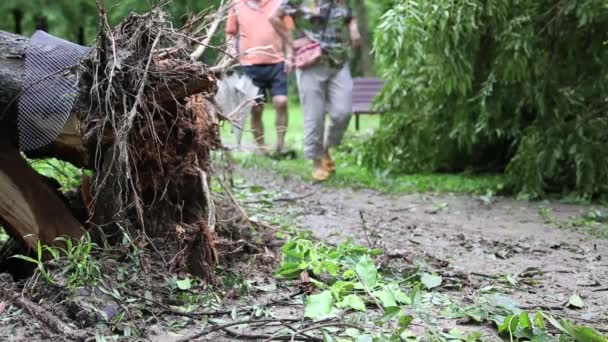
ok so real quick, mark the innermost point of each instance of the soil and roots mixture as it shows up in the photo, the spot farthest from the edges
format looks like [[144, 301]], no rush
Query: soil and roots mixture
[[474, 244]]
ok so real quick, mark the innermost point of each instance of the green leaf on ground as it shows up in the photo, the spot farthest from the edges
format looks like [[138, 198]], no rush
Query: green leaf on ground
[[505, 302], [184, 284], [576, 301], [554, 322], [431, 281], [524, 322], [385, 297], [354, 302], [340, 288], [509, 325], [389, 313], [289, 270], [366, 270], [319, 306], [586, 334], [404, 323], [539, 321]]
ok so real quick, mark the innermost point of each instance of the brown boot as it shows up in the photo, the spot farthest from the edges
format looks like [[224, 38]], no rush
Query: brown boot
[[329, 164], [320, 174]]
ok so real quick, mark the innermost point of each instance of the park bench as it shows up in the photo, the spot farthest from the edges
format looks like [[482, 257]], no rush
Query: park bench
[[365, 90]]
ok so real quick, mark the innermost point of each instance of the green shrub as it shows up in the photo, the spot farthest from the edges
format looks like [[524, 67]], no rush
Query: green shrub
[[515, 85]]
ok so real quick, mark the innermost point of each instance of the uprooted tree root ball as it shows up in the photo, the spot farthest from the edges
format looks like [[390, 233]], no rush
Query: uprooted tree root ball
[[150, 128], [144, 123]]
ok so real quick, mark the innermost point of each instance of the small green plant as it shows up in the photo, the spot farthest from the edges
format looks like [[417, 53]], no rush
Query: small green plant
[[593, 222], [39, 262], [546, 213], [80, 267]]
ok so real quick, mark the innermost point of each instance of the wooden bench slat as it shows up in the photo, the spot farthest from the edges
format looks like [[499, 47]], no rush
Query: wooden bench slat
[[365, 90]]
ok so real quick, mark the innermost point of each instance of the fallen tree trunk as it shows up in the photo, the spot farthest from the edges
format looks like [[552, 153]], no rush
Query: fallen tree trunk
[[12, 53], [144, 125], [28, 205]]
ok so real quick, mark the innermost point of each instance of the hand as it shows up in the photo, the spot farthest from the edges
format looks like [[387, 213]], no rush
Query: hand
[[356, 42]]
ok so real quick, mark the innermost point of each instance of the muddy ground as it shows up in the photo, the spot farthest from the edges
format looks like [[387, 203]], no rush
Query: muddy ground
[[528, 250], [484, 240]]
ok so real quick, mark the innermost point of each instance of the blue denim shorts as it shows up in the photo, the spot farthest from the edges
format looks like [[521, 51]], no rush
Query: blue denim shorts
[[268, 77]]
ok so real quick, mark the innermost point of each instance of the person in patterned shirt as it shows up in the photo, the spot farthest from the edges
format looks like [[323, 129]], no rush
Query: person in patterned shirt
[[325, 88]]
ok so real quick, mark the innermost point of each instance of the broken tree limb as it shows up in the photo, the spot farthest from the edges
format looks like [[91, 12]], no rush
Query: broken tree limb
[[43, 315]]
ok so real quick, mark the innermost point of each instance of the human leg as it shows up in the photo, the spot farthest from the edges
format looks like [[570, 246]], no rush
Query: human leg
[[340, 98], [260, 75], [280, 106], [257, 125], [280, 100], [312, 87], [340, 90]]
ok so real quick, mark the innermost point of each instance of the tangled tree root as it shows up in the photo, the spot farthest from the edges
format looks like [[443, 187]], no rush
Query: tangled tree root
[[145, 124]]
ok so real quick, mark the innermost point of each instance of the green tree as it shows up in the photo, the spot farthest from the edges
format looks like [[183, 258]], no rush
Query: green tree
[[78, 20], [515, 85]]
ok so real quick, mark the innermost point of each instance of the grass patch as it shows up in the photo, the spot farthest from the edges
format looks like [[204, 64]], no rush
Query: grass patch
[[350, 173], [295, 132]]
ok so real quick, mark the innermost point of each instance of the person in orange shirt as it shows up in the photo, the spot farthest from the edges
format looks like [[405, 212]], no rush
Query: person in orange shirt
[[264, 59]]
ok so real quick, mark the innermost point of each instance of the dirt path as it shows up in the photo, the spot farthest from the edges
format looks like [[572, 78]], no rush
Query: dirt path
[[485, 242]]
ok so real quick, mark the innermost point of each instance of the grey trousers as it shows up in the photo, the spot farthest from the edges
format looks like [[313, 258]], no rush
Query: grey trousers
[[324, 90]]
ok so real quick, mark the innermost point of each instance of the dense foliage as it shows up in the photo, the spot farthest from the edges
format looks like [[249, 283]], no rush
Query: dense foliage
[[64, 18], [515, 85]]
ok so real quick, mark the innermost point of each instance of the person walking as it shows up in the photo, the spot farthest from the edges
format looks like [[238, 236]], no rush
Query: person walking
[[326, 30], [261, 52]]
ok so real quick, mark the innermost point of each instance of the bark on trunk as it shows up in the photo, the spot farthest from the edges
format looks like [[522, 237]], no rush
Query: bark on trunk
[[12, 53]]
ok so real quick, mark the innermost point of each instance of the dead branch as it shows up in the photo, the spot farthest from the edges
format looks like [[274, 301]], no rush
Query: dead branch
[[217, 327], [43, 315]]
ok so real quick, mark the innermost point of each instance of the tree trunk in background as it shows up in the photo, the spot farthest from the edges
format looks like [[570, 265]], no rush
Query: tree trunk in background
[[366, 42], [80, 39], [18, 16], [42, 23]]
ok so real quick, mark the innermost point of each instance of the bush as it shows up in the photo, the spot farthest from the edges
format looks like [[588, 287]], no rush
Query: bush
[[500, 85]]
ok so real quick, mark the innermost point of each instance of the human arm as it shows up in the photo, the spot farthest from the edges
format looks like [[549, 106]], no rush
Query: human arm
[[278, 22], [231, 31], [353, 30]]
